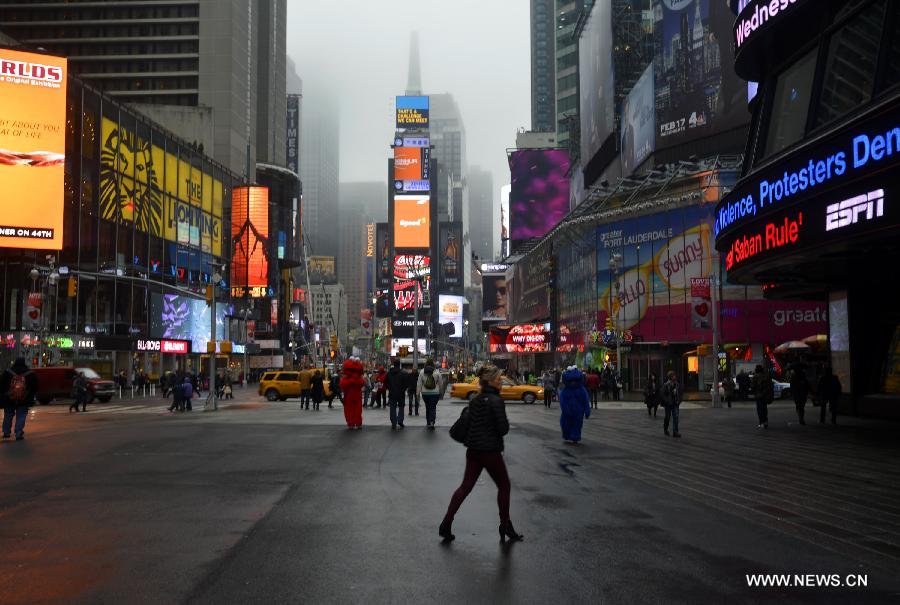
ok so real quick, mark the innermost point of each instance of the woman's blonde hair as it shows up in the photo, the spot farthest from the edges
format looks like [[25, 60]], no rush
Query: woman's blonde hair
[[488, 373]]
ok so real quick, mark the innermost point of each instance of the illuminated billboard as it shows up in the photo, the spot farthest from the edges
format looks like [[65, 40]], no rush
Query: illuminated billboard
[[527, 338], [450, 311], [407, 269], [162, 193], [495, 298], [598, 96], [177, 317], [412, 112], [412, 221], [695, 96], [382, 255], [539, 198], [450, 253], [250, 237], [321, 269], [32, 149], [409, 164], [639, 123]]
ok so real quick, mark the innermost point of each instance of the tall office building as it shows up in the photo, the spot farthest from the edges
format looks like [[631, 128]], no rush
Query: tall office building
[[362, 204], [568, 12], [481, 209], [201, 68], [320, 168], [543, 66]]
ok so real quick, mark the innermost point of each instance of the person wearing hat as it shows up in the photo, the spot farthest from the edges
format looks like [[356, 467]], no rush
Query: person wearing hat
[[18, 386]]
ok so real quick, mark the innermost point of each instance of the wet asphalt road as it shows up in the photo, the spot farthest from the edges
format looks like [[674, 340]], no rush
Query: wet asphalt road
[[264, 503]]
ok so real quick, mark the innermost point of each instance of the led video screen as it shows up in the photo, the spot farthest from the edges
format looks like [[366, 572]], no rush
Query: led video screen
[[539, 198], [412, 222]]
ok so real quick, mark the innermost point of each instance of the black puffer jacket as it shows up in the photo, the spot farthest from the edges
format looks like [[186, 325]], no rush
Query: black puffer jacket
[[487, 422], [396, 383]]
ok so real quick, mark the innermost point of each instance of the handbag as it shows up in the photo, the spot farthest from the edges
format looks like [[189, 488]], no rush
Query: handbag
[[460, 429]]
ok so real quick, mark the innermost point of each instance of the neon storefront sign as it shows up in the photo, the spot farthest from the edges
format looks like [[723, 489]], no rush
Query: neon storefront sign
[[846, 213], [772, 236], [172, 347], [756, 16]]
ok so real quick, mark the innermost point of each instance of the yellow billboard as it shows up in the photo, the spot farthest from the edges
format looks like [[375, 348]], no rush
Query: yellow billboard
[[32, 149], [161, 193]]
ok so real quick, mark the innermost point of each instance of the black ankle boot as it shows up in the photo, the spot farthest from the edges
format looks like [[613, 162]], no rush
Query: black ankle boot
[[444, 531], [507, 531]]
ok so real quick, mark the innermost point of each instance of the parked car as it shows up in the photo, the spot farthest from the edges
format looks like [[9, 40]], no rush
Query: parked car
[[510, 391], [279, 386], [56, 383]]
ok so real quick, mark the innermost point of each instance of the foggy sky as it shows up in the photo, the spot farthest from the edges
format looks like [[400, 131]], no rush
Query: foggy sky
[[477, 50]]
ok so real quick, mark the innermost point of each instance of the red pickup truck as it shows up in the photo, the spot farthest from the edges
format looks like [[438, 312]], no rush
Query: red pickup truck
[[56, 383]]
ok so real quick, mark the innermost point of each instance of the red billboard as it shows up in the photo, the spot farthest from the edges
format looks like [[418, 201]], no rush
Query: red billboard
[[250, 238], [407, 268], [526, 338]]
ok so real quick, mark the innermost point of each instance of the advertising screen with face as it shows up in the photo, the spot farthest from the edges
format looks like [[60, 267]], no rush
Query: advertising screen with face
[[539, 198], [495, 302], [412, 222], [450, 311], [32, 149]]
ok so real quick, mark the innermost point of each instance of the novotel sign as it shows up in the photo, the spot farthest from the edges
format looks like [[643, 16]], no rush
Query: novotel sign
[[857, 151], [172, 347]]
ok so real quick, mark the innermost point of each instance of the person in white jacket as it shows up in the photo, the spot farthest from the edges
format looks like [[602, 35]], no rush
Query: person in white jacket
[[429, 388]]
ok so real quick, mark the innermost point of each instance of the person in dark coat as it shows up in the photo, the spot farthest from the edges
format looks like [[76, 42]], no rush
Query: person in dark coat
[[79, 392], [177, 395], [828, 390], [800, 392], [763, 391], [728, 389], [671, 400], [484, 450], [318, 389], [412, 380], [335, 384], [18, 387], [651, 396], [574, 405], [396, 386]]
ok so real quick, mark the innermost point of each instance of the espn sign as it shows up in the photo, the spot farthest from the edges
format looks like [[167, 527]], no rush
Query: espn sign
[[846, 213]]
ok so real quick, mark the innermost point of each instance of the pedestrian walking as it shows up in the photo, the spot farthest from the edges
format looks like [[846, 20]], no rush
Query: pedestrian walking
[[79, 393], [592, 384], [574, 405], [728, 388], [671, 399], [549, 384], [334, 384], [177, 396], [412, 380], [800, 391], [380, 387], [606, 383], [187, 394], [764, 392], [743, 384], [828, 391], [317, 389], [352, 384], [651, 395], [18, 386], [487, 425], [367, 388], [617, 385], [305, 387], [396, 393], [428, 386]]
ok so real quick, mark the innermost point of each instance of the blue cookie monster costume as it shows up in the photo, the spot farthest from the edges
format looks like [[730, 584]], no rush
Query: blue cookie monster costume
[[574, 404]]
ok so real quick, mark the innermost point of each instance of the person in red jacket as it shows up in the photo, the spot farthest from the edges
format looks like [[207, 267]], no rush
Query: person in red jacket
[[379, 392], [351, 384], [592, 382]]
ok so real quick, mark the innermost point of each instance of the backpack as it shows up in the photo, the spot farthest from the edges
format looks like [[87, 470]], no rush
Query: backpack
[[430, 384], [18, 389]]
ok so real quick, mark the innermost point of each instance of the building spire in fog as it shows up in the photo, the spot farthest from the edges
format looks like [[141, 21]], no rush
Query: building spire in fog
[[414, 82]]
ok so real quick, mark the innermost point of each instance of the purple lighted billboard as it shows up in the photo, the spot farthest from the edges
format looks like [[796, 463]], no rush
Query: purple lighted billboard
[[539, 198]]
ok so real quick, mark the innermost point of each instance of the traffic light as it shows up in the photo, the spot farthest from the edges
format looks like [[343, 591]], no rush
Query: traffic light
[[210, 291], [73, 287], [333, 353]]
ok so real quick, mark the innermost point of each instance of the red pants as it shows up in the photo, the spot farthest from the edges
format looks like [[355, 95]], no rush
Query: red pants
[[496, 468], [353, 408]]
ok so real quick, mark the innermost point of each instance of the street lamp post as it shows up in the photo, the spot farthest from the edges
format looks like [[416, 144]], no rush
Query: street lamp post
[[212, 402], [466, 343], [247, 312], [615, 266], [52, 280]]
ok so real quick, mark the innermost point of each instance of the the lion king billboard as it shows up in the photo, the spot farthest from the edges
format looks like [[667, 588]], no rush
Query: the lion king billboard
[[161, 193]]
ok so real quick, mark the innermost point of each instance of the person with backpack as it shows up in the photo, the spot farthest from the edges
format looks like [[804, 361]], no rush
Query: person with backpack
[[429, 388], [764, 391], [574, 405], [671, 399], [487, 425], [18, 386], [79, 393]]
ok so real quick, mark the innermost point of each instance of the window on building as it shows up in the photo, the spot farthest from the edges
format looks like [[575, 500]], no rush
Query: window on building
[[892, 74], [851, 65], [790, 105]]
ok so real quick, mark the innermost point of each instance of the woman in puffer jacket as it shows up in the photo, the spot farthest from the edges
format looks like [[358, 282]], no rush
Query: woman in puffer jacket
[[574, 404], [484, 450]]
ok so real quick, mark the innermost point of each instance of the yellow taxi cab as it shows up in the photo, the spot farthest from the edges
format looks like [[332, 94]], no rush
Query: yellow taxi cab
[[510, 391], [279, 385]]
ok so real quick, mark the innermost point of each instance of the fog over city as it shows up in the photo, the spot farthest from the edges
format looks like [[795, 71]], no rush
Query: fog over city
[[477, 50]]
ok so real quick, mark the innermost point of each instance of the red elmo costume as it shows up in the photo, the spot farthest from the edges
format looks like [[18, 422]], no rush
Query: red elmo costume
[[351, 384]]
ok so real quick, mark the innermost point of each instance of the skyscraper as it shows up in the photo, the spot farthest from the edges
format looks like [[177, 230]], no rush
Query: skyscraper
[[320, 168], [199, 68], [543, 66], [568, 12], [361, 205], [481, 210]]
